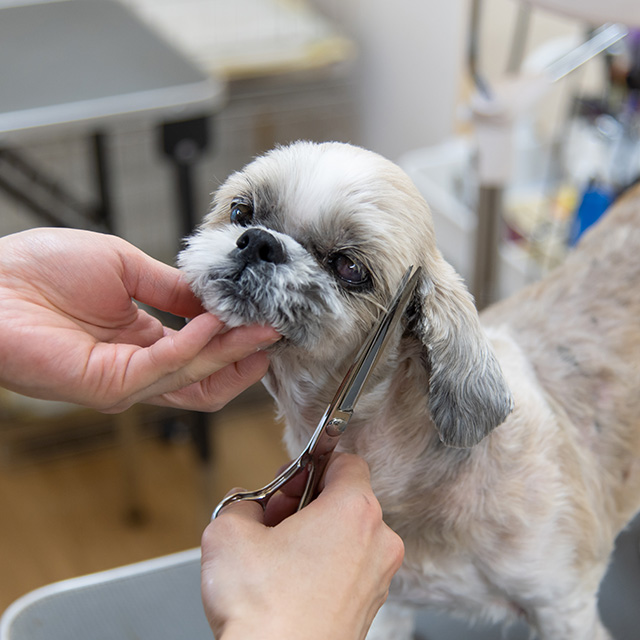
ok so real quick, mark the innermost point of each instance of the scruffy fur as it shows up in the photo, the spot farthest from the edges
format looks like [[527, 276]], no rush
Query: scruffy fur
[[505, 451]]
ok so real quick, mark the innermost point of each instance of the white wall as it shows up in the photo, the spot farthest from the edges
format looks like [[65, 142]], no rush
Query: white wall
[[407, 76], [411, 74]]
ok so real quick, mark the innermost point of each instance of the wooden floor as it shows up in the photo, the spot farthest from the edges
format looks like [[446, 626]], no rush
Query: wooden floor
[[68, 515]]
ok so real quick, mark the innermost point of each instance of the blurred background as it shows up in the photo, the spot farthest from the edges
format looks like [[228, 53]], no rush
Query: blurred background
[[125, 115]]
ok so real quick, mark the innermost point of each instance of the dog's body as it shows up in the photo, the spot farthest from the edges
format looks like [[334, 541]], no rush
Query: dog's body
[[518, 523]]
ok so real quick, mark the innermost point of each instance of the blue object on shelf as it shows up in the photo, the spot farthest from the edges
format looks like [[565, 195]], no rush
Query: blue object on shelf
[[595, 201]]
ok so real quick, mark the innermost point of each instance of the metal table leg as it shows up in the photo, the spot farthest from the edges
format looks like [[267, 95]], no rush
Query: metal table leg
[[183, 143]]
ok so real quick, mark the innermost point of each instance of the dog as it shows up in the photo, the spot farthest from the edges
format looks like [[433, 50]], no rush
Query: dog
[[504, 450]]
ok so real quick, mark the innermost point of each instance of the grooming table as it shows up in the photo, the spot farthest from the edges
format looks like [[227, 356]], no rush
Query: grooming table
[[81, 66], [159, 599]]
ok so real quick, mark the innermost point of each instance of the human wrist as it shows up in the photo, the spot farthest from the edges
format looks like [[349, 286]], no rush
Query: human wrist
[[250, 629], [286, 627]]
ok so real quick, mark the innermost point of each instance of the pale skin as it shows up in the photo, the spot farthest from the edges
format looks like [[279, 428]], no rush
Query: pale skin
[[72, 331], [320, 573]]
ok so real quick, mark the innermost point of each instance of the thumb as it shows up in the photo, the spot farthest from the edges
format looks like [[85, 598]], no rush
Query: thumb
[[233, 524], [243, 510]]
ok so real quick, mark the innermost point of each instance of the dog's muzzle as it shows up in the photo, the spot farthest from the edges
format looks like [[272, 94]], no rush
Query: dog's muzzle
[[257, 245], [254, 275]]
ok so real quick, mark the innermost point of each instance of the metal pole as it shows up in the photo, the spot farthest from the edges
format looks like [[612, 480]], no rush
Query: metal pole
[[487, 249]]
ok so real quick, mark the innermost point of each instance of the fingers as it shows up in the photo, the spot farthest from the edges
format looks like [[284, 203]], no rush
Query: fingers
[[279, 508], [295, 487], [240, 521], [226, 384], [347, 474], [205, 349], [242, 515], [213, 393], [285, 503], [164, 365], [175, 350], [157, 284], [346, 469], [247, 510], [196, 352], [347, 486]]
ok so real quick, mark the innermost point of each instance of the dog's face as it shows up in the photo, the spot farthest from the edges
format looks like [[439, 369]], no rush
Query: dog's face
[[313, 239], [302, 240]]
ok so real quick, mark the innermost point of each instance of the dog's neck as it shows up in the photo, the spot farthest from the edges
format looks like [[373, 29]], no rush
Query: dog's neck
[[393, 405], [302, 388], [391, 429]]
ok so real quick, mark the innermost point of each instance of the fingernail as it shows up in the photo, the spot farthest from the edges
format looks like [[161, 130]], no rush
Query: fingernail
[[265, 344]]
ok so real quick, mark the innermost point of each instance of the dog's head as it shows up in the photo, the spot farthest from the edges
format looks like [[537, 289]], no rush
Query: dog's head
[[313, 239]]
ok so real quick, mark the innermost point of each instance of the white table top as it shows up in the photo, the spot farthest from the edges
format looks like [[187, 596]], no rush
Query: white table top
[[249, 38], [81, 62]]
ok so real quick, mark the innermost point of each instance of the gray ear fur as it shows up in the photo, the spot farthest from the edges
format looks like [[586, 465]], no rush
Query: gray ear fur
[[468, 395]]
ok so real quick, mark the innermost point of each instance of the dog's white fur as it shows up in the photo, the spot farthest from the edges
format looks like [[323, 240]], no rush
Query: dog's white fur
[[497, 524]]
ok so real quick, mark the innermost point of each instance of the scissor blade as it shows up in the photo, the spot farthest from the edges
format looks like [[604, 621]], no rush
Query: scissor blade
[[370, 353], [323, 441]]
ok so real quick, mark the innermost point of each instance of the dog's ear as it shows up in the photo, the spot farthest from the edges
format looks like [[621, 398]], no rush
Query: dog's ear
[[468, 395]]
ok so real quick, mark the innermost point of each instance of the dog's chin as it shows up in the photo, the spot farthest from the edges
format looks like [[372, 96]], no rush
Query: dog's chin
[[251, 297], [297, 298]]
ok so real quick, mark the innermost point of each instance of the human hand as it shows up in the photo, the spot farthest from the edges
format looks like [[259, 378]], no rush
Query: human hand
[[320, 573], [72, 331]]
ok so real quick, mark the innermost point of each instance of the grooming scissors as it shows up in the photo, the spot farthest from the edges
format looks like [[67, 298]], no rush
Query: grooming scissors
[[333, 423]]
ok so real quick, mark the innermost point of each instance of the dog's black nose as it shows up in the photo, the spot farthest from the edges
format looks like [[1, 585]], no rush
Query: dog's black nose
[[258, 245]]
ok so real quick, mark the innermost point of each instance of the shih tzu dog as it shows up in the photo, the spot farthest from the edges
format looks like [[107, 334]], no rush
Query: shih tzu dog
[[505, 453]]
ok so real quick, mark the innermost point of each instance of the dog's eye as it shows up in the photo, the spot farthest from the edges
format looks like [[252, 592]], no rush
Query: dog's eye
[[349, 270], [241, 213]]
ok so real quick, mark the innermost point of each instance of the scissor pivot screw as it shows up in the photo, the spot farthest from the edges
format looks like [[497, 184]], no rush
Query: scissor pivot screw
[[337, 426]]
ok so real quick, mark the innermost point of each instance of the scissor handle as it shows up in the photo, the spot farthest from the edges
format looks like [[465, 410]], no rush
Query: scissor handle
[[314, 457], [261, 496]]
